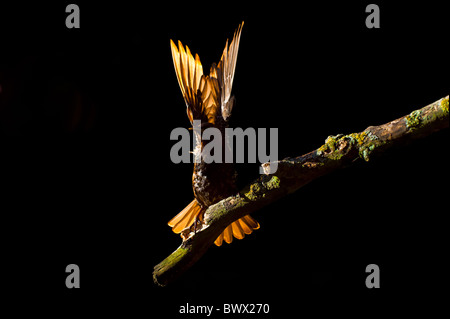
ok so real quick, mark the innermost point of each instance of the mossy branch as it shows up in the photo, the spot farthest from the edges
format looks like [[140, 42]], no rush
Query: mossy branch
[[293, 173]]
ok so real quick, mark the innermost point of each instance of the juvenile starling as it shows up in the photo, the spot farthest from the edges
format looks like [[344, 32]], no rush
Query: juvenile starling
[[208, 99]]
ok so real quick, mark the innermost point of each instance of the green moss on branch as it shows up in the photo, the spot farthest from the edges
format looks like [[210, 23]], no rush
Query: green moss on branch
[[293, 173]]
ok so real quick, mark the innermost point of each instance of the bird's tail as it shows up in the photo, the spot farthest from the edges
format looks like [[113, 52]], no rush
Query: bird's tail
[[239, 228], [186, 217], [193, 212]]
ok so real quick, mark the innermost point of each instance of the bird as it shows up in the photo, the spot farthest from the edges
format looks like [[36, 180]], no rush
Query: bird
[[208, 99]]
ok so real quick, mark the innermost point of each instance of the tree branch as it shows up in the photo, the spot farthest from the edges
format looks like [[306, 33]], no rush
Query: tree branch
[[293, 173]]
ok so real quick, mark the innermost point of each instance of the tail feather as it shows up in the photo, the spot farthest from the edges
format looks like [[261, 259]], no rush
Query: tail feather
[[219, 240], [228, 235], [250, 223], [185, 218], [238, 232], [238, 229], [245, 228]]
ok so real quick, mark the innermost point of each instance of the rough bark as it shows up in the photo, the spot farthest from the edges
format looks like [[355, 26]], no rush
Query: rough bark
[[293, 173]]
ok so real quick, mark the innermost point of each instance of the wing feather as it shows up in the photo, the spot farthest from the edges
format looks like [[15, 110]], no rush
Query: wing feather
[[205, 94], [176, 62], [197, 88], [227, 67]]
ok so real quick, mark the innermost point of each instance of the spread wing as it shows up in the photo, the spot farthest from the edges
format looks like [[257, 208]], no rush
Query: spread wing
[[204, 94], [199, 91], [224, 72]]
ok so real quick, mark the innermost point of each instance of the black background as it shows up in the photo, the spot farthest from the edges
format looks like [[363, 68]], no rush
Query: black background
[[86, 115]]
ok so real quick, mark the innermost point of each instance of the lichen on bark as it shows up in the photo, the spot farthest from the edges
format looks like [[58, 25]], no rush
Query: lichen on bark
[[293, 173]]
